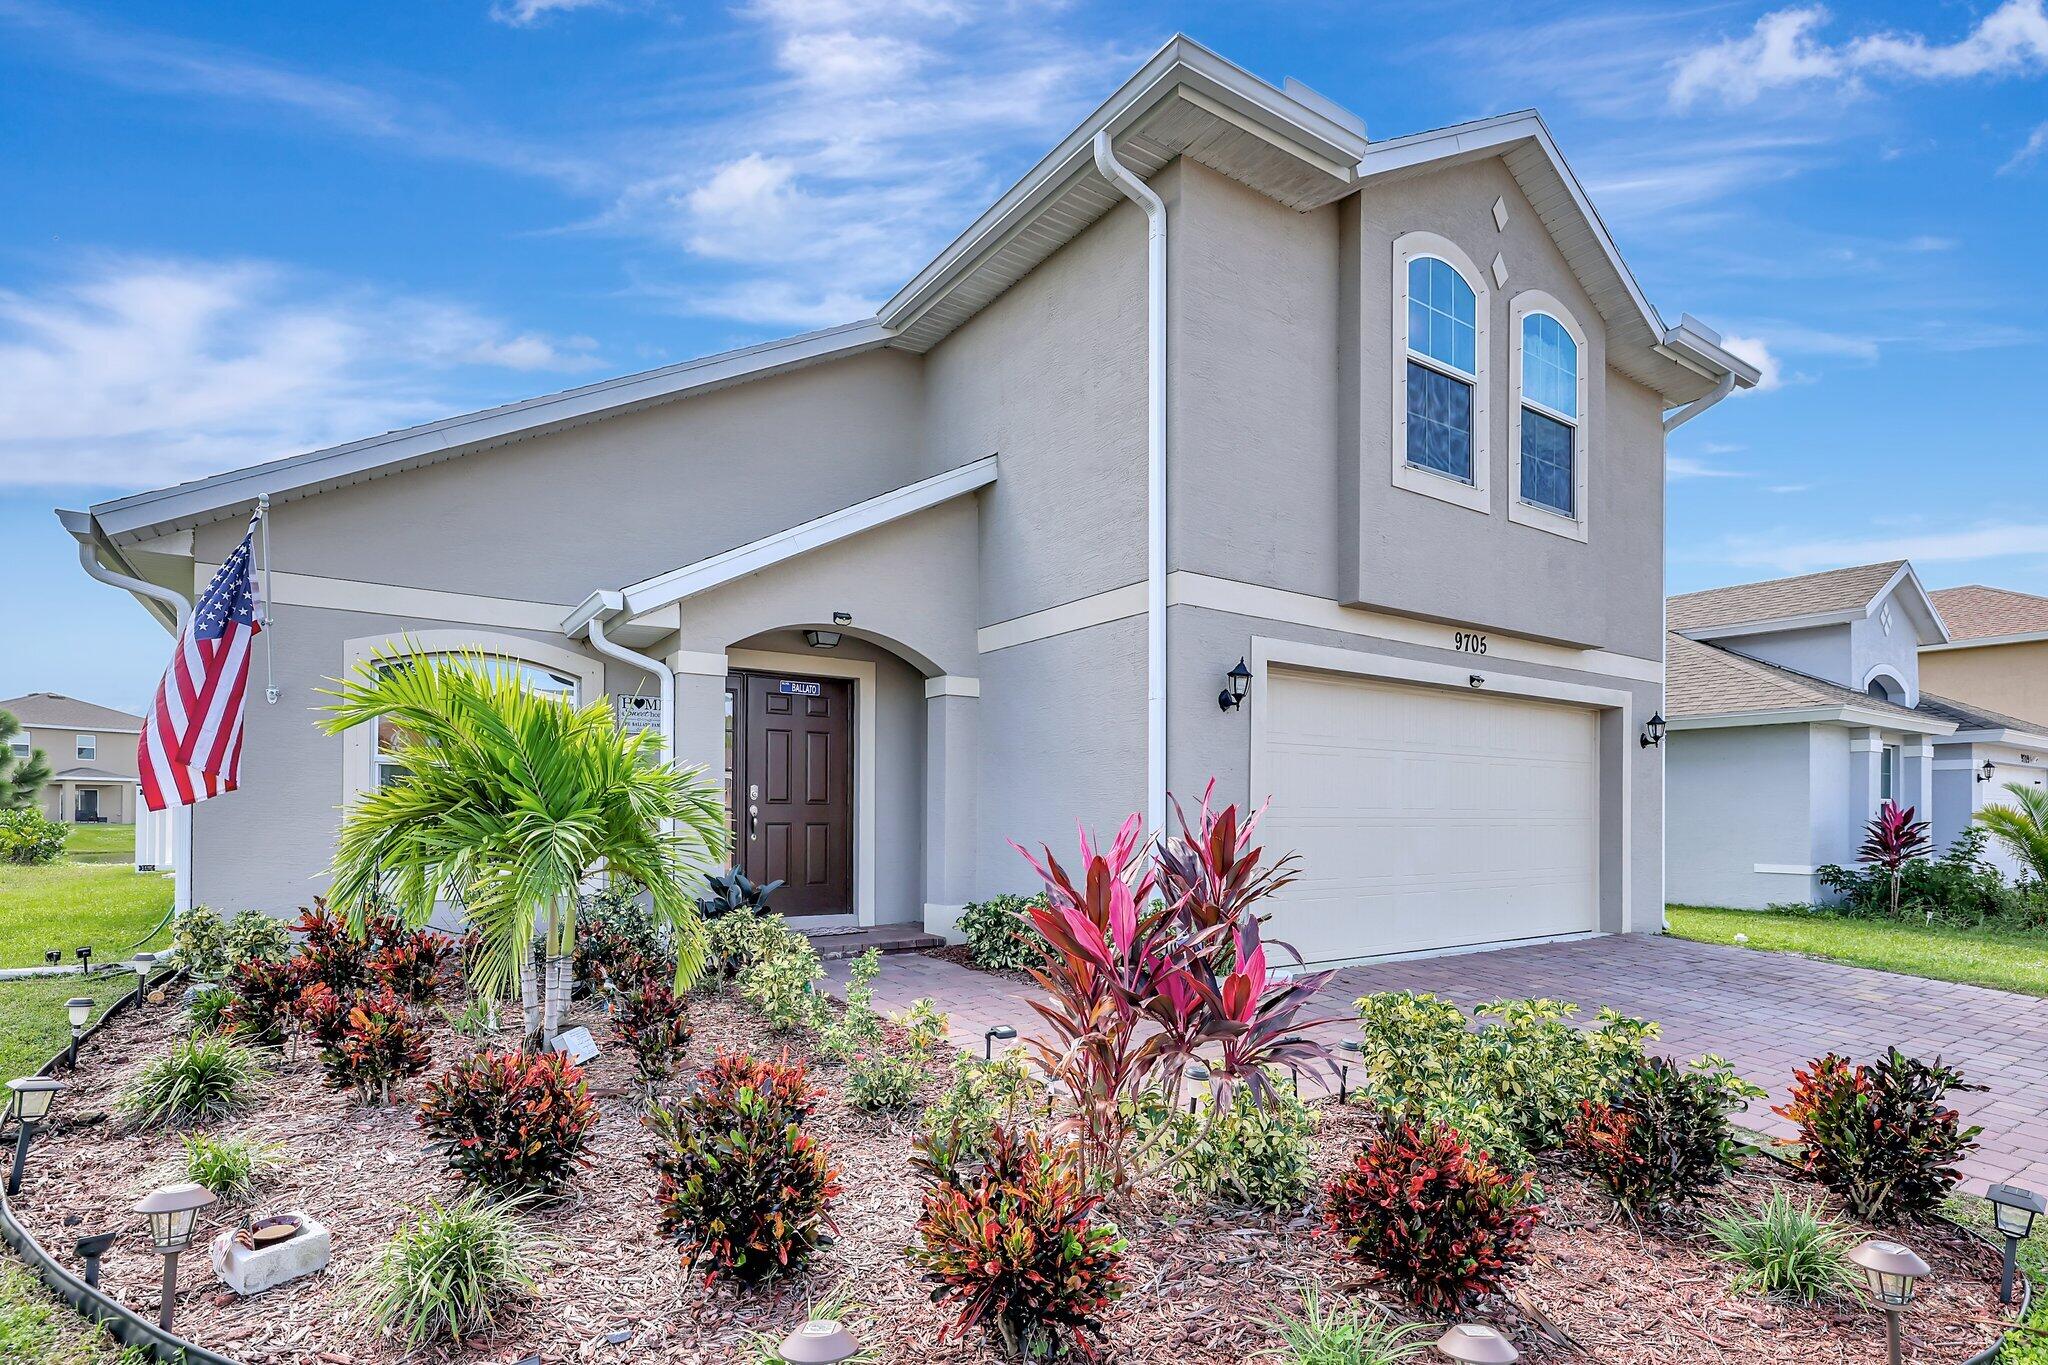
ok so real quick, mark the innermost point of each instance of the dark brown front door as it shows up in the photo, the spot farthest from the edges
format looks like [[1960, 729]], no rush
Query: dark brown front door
[[792, 788]]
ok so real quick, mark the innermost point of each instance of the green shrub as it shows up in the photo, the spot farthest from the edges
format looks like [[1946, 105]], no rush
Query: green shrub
[[741, 1187], [1000, 933], [1663, 1137], [957, 1124], [1342, 1335], [253, 934], [1437, 1216], [1248, 1154], [510, 1122], [1881, 1136], [446, 1274], [781, 981], [649, 1020], [923, 1025], [28, 836], [858, 1029], [613, 929], [1958, 888], [230, 1167], [210, 1008], [199, 940], [197, 1081], [1787, 1251], [735, 942], [881, 1082], [377, 1044], [731, 893]]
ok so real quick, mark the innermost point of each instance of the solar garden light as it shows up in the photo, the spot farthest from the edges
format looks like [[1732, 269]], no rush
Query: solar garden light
[[1355, 1048], [142, 963], [1199, 1074], [1892, 1270], [28, 1102], [84, 956], [1477, 1345], [92, 1248], [988, 1040], [173, 1213], [2013, 1211], [821, 1341], [79, 1007], [53, 957]]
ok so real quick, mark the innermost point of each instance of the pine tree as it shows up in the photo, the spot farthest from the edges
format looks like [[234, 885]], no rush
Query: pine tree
[[21, 779]]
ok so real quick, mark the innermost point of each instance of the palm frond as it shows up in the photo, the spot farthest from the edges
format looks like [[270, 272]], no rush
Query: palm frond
[[2022, 827]]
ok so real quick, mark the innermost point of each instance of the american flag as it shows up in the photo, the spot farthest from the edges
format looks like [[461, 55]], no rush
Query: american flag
[[192, 739]]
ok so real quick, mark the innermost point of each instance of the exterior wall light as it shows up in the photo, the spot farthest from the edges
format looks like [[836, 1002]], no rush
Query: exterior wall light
[[28, 1103], [822, 639], [173, 1214], [1653, 731], [1985, 773], [142, 964], [988, 1040], [79, 1008], [820, 1341], [2013, 1211], [1892, 1271], [1476, 1345], [1236, 683]]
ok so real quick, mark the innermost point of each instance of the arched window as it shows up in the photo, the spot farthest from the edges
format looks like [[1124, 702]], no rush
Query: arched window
[[1440, 350], [1549, 425]]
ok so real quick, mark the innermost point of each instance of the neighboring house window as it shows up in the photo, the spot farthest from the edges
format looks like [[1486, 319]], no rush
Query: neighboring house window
[[1440, 371], [1548, 425], [1888, 774], [20, 745], [544, 681], [87, 746]]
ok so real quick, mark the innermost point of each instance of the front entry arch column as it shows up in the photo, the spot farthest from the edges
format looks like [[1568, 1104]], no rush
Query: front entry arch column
[[952, 753]]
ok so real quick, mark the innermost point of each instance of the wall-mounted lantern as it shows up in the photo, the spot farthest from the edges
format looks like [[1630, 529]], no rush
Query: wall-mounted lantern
[[1653, 732], [1985, 773], [1236, 683]]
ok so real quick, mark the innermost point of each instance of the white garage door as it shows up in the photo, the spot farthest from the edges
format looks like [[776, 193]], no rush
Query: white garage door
[[1427, 818]]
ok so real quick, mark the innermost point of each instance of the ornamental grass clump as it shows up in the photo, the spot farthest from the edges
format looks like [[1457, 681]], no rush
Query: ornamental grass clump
[[1435, 1215], [229, 1167], [1663, 1138], [1786, 1251], [1020, 1250], [1342, 1335], [510, 1123], [378, 1043], [446, 1274], [1881, 1136], [741, 1187], [198, 1081]]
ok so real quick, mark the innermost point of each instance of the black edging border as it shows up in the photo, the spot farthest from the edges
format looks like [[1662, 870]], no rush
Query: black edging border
[[120, 1323]]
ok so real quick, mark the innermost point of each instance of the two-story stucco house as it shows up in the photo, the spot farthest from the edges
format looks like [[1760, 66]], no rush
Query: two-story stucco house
[[1796, 710], [91, 753], [1221, 379], [1996, 653]]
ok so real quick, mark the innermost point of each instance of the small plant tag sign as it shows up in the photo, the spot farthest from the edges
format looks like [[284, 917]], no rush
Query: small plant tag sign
[[578, 1043]]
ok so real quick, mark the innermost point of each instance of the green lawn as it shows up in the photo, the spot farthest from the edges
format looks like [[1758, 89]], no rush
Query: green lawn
[[100, 839], [36, 1327], [33, 1023], [2005, 959], [65, 904]]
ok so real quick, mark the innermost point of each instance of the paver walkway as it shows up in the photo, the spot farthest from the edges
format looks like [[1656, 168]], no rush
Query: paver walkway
[[1765, 1012]]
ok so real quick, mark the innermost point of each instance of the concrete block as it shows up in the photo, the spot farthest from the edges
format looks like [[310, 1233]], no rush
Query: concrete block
[[251, 1272]]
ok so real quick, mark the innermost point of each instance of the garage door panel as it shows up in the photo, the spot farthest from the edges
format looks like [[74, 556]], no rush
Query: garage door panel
[[1427, 818]]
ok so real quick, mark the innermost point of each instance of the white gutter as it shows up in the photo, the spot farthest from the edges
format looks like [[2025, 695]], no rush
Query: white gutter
[[1155, 476], [1722, 388], [603, 605], [85, 531]]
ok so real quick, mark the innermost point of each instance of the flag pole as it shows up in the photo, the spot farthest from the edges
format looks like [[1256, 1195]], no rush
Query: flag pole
[[269, 658]]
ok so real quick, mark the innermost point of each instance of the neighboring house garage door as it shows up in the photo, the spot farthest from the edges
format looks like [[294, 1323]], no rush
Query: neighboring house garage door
[[1427, 818]]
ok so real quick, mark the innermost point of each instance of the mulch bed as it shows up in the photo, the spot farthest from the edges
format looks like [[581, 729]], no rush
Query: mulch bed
[[1202, 1281], [961, 956]]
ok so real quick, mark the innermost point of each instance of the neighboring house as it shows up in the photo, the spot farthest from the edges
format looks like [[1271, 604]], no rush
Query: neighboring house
[[1996, 653], [976, 569], [1795, 710], [91, 752]]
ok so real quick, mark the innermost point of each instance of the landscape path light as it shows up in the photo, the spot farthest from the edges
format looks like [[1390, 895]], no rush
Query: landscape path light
[[1353, 1050], [28, 1102], [1892, 1270], [84, 956], [821, 1341], [988, 1040], [1476, 1345], [142, 963], [91, 1249], [1199, 1075], [2013, 1211], [173, 1214], [79, 1007]]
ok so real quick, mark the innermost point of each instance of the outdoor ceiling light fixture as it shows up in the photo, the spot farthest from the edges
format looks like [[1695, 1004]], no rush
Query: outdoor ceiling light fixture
[[1653, 731], [822, 639], [173, 1213], [1476, 1345], [79, 1007], [1984, 774], [821, 1341], [1892, 1270], [1236, 683], [988, 1040], [2013, 1211], [28, 1103]]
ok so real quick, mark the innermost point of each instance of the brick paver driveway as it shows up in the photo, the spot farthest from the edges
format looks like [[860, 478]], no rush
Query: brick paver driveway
[[1765, 1012]]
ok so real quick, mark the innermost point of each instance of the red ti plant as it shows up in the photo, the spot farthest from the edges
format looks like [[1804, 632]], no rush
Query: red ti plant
[[1140, 986], [1892, 840]]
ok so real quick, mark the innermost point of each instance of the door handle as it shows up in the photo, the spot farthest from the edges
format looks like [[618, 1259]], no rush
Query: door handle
[[753, 822]]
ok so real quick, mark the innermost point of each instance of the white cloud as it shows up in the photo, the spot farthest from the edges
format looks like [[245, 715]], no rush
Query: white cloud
[[1686, 467], [141, 372], [1758, 353], [842, 62], [2029, 151], [1784, 50], [526, 13], [1792, 555], [1782, 488]]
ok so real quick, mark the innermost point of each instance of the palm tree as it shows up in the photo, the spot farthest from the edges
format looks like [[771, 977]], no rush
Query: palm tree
[[21, 779], [2022, 827], [510, 801]]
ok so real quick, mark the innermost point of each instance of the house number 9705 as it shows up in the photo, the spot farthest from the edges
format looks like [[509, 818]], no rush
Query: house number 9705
[[1469, 641]]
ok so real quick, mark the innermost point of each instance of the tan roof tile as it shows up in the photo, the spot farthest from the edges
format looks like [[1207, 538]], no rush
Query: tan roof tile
[[1705, 680], [1980, 613], [67, 713], [1779, 598]]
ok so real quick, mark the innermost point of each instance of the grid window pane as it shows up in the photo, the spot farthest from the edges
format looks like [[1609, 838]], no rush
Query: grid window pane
[[1441, 313], [1439, 422], [1547, 478], [1550, 364]]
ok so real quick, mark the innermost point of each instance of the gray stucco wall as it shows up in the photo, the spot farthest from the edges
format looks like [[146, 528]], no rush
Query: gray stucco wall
[[1817, 651], [1735, 798]]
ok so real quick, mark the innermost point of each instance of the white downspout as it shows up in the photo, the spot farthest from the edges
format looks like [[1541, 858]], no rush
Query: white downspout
[[1155, 476], [1722, 388], [181, 608], [664, 681]]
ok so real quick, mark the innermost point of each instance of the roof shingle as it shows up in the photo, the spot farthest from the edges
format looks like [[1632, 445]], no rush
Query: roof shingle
[[1778, 599], [1976, 612], [1705, 680], [60, 712]]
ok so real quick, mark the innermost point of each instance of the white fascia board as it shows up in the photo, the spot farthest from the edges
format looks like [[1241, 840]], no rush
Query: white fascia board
[[1918, 601], [679, 584], [2018, 739], [1288, 122], [1731, 629], [2032, 637], [1812, 715], [204, 499]]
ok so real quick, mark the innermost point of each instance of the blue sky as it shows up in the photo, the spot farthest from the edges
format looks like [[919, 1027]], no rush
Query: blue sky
[[239, 230]]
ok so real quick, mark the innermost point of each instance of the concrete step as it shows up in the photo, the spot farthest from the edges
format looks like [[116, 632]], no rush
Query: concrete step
[[833, 944]]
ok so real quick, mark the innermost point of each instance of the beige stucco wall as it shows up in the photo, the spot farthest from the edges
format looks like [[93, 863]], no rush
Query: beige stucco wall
[[2008, 678]]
